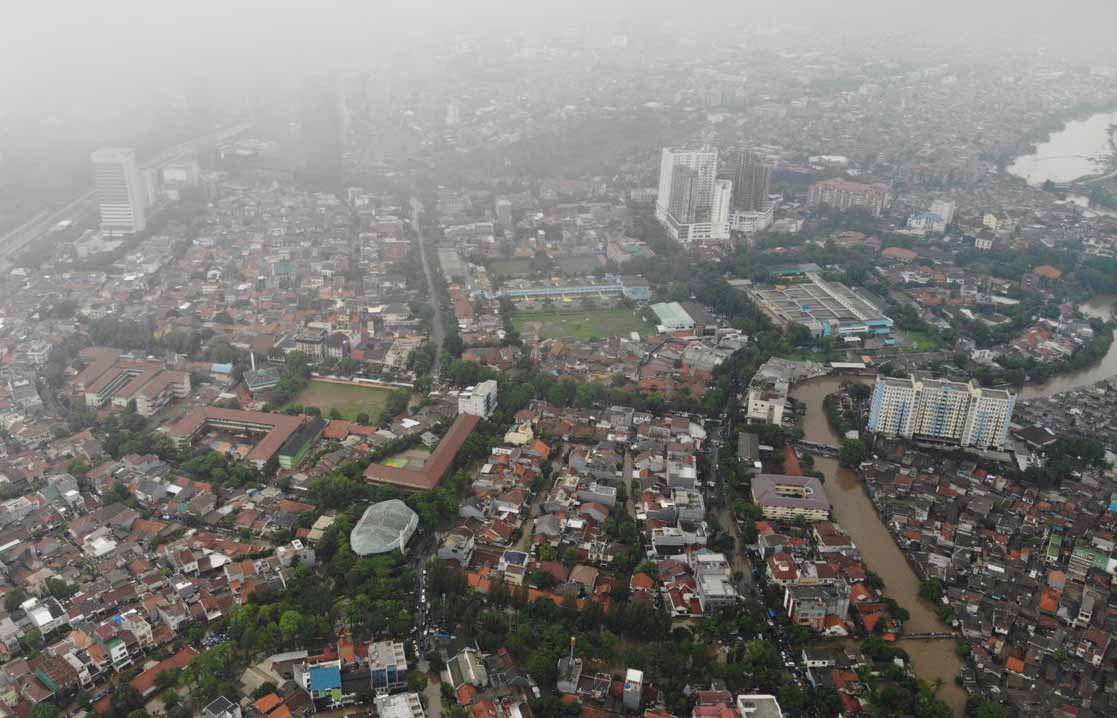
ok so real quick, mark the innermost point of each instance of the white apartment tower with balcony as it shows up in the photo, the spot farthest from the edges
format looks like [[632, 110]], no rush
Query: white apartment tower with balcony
[[691, 203], [893, 407], [987, 423], [938, 410]]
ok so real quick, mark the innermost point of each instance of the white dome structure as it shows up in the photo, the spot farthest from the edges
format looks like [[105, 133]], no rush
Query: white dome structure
[[384, 527]]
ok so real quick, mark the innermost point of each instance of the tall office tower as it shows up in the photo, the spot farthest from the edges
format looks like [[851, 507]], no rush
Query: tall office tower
[[323, 131], [704, 162], [719, 208], [752, 179], [149, 177], [938, 410], [121, 192]]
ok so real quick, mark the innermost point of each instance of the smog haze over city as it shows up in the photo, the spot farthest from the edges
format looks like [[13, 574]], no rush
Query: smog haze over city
[[542, 359]]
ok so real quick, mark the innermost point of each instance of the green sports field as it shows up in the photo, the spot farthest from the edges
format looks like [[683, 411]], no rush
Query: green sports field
[[348, 399], [583, 325]]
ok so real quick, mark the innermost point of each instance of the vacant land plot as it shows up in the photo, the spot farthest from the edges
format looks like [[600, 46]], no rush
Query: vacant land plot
[[583, 325], [348, 399], [511, 268], [922, 341]]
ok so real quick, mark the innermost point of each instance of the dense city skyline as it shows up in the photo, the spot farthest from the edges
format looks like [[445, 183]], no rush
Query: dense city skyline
[[584, 359]]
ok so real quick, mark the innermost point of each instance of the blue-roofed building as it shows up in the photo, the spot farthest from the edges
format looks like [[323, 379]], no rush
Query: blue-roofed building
[[924, 222], [323, 683], [826, 308], [325, 678]]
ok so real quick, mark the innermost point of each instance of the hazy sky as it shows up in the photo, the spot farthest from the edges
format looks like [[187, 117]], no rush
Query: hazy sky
[[54, 49]]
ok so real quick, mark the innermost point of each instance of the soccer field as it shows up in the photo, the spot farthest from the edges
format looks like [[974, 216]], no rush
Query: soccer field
[[583, 325], [348, 399]]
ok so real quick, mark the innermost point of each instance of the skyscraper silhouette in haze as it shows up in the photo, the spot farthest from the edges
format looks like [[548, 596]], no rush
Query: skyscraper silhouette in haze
[[752, 178], [322, 119]]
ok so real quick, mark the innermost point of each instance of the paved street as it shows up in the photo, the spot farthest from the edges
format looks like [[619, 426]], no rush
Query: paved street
[[438, 329]]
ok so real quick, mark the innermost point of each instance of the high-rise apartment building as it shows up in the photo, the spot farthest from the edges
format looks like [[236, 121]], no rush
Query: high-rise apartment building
[[752, 179], [121, 191], [720, 203], [987, 422], [842, 195], [945, 209], [940, 410], [686, 196], [893, 407]]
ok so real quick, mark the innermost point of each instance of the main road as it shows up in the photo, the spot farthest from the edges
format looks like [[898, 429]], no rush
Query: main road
[[438, 329], [21, 236]]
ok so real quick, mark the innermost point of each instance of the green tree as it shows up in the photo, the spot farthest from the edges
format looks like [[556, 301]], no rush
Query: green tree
[[852, 452], [13, 598], [291, 623], [930, 589], [416, 681], [33, 639], [125, 699]]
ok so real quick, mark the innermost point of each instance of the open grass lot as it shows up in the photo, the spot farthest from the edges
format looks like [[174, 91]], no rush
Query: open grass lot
[[922, 342], [347, 399], [583, 325], [511, 267]]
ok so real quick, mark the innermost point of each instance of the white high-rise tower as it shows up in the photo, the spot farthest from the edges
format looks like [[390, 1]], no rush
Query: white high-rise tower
[[719, 209], [689, 192], [121, 194]]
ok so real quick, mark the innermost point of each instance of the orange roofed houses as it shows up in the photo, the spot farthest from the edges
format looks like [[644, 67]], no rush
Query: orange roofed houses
[[110, 377], [144, 683], [900, 254], [437, 464]]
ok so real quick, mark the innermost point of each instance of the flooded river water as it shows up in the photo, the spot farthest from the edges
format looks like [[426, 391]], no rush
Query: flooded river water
[[1082, 147], [932, 660], [1100, 307]]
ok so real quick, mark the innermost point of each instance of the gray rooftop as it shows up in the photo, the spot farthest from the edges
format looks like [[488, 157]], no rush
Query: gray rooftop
[[382, 526], [805, 492]]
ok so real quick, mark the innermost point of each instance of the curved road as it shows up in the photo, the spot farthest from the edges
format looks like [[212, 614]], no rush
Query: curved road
[[438, 329]]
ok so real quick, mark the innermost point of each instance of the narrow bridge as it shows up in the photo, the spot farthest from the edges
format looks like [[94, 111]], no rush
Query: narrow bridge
[[928, 636], [818, 448]]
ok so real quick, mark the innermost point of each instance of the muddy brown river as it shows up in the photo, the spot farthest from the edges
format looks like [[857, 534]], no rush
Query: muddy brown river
[[933, 660]]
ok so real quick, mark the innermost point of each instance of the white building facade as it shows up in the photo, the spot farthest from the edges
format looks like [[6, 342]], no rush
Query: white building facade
[[691, 203], [937, 410], [121, 193], [479, 400]]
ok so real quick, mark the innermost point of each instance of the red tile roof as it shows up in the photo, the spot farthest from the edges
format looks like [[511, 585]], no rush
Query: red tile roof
[[279, 427], [436, 466], [144, 683]]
